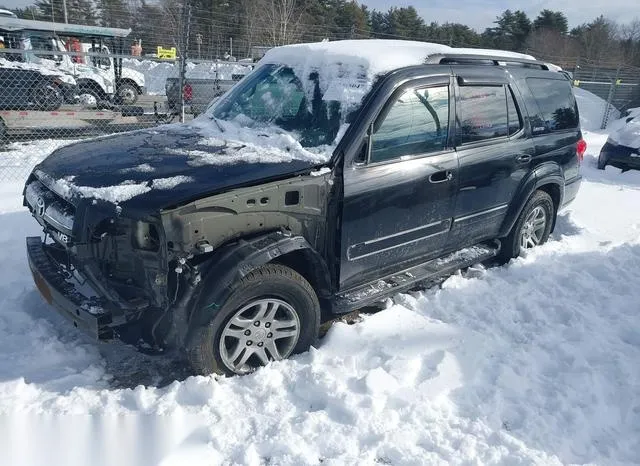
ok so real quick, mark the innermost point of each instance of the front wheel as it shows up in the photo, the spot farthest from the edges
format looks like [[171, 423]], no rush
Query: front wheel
[[272, 313], [532, 228]]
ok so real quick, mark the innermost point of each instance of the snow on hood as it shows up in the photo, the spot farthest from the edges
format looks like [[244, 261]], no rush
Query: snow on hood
[[44, 70], [249, 145], [115, 194], [629, 134]]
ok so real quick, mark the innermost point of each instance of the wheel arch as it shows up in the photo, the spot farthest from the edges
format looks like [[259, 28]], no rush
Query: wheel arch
[[547, 177], [225, 266]]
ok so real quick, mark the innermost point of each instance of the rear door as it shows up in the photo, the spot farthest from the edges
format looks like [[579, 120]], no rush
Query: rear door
[[398, 200], [494, 153]]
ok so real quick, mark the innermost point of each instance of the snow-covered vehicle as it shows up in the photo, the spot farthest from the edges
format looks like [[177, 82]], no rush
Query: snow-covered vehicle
[[332, 176], [27, 86], [622, 149], [42, 43]]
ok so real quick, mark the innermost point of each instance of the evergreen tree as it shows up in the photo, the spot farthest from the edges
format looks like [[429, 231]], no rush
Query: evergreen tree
[[552, 20]]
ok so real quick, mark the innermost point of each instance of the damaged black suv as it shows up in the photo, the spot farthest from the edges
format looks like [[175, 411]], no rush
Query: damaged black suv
[[326, 180]]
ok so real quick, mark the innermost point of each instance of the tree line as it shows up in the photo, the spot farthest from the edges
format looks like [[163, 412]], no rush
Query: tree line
[[219, 28]]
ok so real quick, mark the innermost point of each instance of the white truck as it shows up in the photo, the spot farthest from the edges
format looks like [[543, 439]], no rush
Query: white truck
[[98, 78]]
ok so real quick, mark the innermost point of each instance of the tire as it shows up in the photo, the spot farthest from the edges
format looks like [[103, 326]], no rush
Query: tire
[[127, 94], [89, 97], [602, 163], [209, 353], [47, 97], [512, 244]]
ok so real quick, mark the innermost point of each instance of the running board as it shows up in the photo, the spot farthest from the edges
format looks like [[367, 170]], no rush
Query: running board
[[429, 271]]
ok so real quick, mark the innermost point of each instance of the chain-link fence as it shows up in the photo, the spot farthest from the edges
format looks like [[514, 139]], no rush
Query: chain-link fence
[[617, 84], [60, 83]]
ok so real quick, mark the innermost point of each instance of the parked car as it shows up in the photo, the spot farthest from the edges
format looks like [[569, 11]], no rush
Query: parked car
[[328, 179], [622, 149], [24, 86], [198, 92]]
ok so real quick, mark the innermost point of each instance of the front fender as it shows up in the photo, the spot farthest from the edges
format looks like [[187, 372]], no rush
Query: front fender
[[544, 174], [229, 264]]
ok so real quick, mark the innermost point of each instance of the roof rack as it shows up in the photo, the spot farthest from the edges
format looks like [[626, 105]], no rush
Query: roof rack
[[495, 60]]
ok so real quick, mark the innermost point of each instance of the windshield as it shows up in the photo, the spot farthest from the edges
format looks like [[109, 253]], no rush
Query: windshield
[[273, 96]]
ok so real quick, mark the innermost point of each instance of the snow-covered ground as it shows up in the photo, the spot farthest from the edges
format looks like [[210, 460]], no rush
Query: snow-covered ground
[[536, 362]]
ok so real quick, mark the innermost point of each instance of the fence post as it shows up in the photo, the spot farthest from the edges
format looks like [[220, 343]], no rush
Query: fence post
[[612, 91], [184, 47]]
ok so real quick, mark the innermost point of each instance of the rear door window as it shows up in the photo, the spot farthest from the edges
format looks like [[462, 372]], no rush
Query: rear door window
[[483, 113], [557, 106]]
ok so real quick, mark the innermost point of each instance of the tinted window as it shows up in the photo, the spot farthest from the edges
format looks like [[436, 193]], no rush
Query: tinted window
[[556, 104], [417, 123], [515, 119], [483, 113]]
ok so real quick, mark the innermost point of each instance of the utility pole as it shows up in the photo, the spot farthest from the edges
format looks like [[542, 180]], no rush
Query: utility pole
[[64, 9], [184, 48], [231, 46]]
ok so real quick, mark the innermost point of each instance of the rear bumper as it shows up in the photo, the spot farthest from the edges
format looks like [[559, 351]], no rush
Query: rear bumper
[[571, 189], [619, 156], [63, 295]]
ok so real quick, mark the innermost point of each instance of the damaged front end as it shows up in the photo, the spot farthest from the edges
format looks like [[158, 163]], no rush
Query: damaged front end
[[99, 267]]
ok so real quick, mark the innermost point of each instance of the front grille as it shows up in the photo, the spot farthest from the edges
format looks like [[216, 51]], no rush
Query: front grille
[[52, 211]]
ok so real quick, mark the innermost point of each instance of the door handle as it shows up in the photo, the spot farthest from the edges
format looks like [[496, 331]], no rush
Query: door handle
[[441, 177], [524, 158]]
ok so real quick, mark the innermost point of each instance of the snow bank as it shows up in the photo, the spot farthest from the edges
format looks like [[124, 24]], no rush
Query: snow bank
[[592, 109], [156, 73]]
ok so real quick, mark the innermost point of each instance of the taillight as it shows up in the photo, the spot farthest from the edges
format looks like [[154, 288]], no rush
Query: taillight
[[188, 92], [581, 148]]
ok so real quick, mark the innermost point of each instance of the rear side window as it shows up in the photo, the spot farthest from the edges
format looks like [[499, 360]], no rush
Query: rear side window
[[417, 123], [557, 106], [483, 113]]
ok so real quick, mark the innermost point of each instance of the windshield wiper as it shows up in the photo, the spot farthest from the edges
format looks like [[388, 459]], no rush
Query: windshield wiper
[[215, 120]]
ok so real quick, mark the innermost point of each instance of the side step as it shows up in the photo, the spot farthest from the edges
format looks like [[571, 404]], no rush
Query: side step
[[380, 289]]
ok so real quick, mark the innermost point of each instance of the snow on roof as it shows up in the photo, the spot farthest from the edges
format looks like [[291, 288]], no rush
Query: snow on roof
[[347, 68], [628, 133]]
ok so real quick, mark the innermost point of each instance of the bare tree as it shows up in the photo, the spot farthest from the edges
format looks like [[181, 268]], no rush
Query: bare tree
[[282, 20]]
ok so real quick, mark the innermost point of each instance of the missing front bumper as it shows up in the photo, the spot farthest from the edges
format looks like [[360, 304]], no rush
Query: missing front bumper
[[63, 295]]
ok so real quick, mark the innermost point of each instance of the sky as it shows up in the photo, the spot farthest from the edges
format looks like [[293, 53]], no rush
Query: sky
[[480, 14]]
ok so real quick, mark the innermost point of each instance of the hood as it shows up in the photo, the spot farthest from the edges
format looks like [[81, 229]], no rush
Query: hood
[[151, 169], [135, 76]]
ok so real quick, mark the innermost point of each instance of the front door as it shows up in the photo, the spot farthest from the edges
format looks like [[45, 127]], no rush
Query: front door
[[398, 202]]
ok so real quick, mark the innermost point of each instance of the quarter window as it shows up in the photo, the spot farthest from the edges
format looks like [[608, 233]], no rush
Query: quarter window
[[417, 123], [483, 113], [515, 118], [558, 109]]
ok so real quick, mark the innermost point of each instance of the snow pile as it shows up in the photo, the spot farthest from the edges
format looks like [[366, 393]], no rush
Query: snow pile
[[115, 194], [592, 109], [17, 159], [156, 73]]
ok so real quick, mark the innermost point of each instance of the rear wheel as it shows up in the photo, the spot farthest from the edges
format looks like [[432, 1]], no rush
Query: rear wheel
[[47, 97], [602, 162], [532, 227], [127, 94], [272, 312]]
